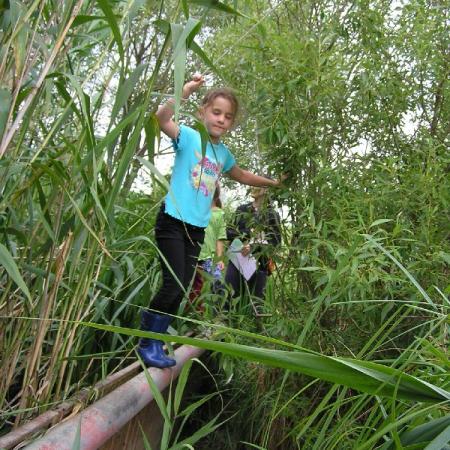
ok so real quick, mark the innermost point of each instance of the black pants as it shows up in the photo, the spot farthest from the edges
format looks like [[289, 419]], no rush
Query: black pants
[[179, 243], [256, 284]]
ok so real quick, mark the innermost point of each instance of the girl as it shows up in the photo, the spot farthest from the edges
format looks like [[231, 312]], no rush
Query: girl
[[184, 215]]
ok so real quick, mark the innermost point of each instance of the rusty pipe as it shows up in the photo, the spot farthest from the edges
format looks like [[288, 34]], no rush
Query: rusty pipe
[[107, 416]]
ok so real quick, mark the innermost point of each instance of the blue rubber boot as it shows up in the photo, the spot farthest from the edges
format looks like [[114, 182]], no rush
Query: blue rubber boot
[[151, 350]]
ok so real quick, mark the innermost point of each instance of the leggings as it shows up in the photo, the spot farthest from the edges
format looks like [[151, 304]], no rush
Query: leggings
[[179, 244]]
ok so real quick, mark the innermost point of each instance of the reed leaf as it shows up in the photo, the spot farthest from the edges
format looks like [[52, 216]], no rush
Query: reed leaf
[[361, 375], [110, 17], [7, 261]]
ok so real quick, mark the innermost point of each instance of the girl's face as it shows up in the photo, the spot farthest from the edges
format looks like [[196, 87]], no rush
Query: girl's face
[[218, 117]]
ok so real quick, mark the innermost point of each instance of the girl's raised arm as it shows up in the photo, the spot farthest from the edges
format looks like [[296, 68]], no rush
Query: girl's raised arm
[[165, 112], [251, 179]]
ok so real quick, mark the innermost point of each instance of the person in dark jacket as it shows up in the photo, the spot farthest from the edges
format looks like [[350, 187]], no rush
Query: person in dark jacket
[[257, 226]]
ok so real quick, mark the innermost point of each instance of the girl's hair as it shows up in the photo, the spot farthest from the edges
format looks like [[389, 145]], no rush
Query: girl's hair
[[216, 197], [224, 92]]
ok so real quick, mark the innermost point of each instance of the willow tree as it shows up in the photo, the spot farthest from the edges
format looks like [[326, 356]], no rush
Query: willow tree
[[350, 98]]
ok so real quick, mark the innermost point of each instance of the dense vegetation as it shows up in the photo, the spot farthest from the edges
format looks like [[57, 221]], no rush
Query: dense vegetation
[[350, 97]]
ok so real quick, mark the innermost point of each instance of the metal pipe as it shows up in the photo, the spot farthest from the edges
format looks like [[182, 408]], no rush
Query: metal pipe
[[104, 418], [56, 415]]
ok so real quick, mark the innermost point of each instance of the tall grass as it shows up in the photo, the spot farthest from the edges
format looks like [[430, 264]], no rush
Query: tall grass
[[80, 81]]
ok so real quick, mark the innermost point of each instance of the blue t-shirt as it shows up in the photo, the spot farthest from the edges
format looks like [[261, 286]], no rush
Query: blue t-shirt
[[193, 180]]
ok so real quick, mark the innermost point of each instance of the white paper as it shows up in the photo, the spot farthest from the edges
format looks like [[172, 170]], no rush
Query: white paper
[[245, 264]]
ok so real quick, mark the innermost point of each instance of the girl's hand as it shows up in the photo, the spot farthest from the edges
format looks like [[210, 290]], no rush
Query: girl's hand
[[282, 179], [221, 265], [193, 85]]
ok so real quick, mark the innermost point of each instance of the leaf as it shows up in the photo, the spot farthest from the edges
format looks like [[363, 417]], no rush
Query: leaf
[[214, 4], [443, 255], [364, 376], [425, 433], [82, 19], [440, 441], [180, 35], [5, 103], [379, 222], [125, 90], [152, 132], [145, 440], [185, 8], [157, 396], [77, 441], [310, 268], [181, 384], [203, 56], [204, 135], [403, 269], [110, 17], [7, 261], [161, 178]]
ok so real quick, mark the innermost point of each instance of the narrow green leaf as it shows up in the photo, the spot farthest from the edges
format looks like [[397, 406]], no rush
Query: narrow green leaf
[[82, 19], [440, 441], [204, 135], [180, 37], [422, 434], [125, 90], [214, 4], [403, 269], [7, 261], [203, 56], [152, 133], [147, 445], [182, 380], [161, 178], [364, 376], [179, 65], [77, 441], [185, 8], [379, 222], [157, 396], [445, 257], [5, 104], [111, 18]]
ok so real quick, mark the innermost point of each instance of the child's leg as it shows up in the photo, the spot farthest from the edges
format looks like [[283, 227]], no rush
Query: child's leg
[[258, 283], [234, 279], [169, 235], [192, 244]]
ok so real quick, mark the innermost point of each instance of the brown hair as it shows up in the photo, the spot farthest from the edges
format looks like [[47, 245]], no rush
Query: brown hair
[[224, 92], [216, 197]]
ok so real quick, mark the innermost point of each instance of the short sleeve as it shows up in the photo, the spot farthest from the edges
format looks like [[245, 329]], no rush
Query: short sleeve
[[185, 135], [229, 161]]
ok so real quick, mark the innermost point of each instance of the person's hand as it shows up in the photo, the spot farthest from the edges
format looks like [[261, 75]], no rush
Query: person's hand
[[245, 250], [193, 85], [282, 179], [221, 265]]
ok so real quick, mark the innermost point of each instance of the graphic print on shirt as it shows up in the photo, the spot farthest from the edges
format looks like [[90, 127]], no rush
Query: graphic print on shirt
[[204, 174]]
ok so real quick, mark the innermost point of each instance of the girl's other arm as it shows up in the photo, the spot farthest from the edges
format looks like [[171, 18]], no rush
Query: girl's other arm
[[165, 112], [245, 177]]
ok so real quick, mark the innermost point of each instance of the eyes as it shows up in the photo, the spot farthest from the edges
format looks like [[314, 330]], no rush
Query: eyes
[[218, 112]]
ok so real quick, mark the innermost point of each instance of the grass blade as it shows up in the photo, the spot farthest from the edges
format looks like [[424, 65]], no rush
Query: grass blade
[[7, 261]]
